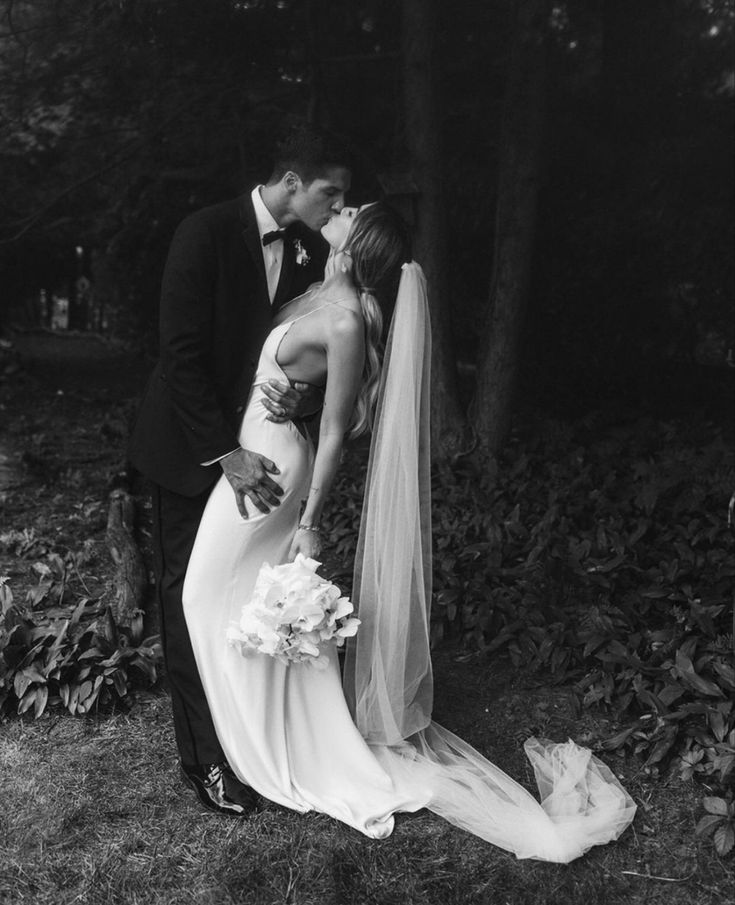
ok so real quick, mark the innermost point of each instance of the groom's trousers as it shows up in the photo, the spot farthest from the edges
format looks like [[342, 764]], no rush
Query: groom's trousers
[[175, 522]]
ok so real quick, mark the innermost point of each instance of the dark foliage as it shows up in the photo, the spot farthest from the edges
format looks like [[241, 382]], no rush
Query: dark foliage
[[79, 662], [598, 554]]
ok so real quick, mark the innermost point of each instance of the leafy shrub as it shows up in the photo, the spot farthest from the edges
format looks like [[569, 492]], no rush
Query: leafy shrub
[[76, 662], [56, 572], [608, 561], [719, 822]]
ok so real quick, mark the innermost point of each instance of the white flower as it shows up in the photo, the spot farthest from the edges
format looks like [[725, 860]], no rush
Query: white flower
[[302, 256], [348, 629], [292, 614]]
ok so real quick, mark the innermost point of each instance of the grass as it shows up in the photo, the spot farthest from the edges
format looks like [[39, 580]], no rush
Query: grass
[[92, 810], [94, 813]]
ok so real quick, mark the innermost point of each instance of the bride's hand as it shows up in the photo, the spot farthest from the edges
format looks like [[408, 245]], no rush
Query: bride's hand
[[307, 542]]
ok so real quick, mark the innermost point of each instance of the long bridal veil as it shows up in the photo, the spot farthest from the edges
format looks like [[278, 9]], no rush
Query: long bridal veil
[[388, 678]]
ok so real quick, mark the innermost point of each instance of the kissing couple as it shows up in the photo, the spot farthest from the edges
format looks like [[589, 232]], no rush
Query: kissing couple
[[272, 311]]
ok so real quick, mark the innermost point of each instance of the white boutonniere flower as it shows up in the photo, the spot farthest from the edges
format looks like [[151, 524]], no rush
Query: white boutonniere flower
[[302, 256]]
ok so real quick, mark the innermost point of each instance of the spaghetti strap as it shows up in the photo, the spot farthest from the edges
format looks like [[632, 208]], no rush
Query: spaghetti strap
[[313, 311], [289, 324], [301, 316]]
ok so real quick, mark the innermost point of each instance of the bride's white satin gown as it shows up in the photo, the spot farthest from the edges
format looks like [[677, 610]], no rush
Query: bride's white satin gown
[[287, 731]]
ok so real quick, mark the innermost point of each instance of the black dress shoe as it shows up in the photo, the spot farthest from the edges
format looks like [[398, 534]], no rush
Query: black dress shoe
[[220, 790]]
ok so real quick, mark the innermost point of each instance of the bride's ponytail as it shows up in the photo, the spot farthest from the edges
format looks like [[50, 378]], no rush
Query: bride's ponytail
[[362, 417], [378, 245]]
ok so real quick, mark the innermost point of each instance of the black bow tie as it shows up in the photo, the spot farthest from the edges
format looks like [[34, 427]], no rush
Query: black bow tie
[[273, 236]]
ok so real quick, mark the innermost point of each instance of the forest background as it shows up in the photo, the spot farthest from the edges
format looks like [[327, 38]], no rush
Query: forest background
[[567, 169]]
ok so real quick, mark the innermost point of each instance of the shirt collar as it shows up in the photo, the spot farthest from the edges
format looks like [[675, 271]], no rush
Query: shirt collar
[[263, 216]]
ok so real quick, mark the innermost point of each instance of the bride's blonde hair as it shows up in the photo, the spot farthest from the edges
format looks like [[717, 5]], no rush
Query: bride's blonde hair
[[379, 244]]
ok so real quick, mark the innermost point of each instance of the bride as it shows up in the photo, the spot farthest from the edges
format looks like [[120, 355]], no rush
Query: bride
[[366, 751]]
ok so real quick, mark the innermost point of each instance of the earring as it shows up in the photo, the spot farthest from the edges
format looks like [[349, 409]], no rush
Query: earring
[[346, 263]]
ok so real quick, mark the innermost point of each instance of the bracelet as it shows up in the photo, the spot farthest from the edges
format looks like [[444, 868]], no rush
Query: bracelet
[[309, 528]]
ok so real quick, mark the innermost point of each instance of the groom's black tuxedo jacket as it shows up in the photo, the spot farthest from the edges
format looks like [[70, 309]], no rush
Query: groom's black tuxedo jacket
[[215, 316]]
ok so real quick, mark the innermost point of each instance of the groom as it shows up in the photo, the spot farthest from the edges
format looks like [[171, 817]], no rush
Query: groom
[[229, 268]]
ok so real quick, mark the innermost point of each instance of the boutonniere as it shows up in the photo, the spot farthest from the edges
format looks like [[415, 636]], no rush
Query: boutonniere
[[302, 256]]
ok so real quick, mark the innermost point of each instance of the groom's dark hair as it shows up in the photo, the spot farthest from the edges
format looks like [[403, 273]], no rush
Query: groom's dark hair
[[309, 151]]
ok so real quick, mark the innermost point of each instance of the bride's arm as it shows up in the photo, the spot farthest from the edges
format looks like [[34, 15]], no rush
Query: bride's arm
[[345, 347]]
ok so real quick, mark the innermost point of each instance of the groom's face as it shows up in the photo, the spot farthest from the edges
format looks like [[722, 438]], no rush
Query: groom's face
[[315, 202]]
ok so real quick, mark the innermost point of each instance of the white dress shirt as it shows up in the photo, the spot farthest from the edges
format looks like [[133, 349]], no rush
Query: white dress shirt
[[273, 252]]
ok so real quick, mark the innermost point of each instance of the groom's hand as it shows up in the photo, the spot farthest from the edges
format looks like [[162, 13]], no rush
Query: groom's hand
[[287, 402], [248, 474]]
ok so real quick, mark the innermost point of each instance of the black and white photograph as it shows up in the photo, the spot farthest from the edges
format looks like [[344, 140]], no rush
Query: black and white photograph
[[367, 476]]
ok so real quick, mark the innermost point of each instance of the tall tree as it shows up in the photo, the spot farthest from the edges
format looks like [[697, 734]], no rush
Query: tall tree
[[516, 214], [423, 141]]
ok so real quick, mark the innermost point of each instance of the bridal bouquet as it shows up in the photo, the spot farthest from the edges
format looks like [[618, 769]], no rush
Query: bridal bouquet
[[292, 612]]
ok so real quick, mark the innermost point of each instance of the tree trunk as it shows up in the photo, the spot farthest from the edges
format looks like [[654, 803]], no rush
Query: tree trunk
[[423, 142], [518, 184], [131, 577]]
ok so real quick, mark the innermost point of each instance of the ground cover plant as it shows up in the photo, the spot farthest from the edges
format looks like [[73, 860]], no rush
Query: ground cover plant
[[545, 623], [600, 554]]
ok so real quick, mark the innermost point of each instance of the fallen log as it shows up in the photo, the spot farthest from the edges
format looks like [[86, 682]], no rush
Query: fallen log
[[130, 582]]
